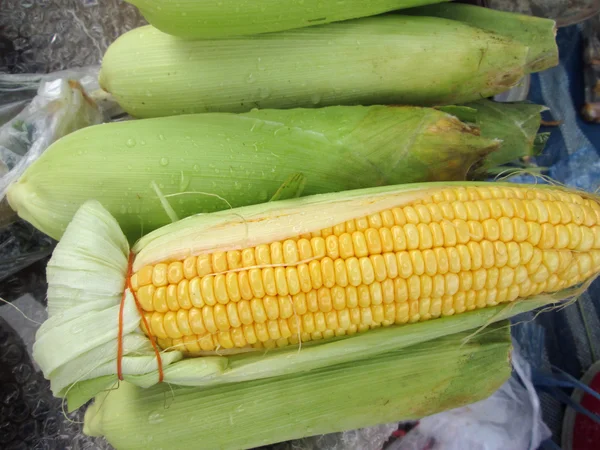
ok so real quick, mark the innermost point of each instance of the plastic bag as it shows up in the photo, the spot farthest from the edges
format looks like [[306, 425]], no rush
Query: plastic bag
[[61, 106], [509, 419]]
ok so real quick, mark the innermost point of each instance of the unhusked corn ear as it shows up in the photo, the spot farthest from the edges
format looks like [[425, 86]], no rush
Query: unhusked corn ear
[[207, 19], [209, 162], [453, 250], [315, 66]]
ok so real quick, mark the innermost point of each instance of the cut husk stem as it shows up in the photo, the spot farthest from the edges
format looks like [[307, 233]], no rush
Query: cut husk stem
[[406, 384], [209, 162], [78, 343], [207, 19], [376, 60]]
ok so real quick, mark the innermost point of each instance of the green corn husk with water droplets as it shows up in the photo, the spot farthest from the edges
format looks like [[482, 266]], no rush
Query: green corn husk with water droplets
[[148, 173], [390, 59], [210, 19], [406, 384]]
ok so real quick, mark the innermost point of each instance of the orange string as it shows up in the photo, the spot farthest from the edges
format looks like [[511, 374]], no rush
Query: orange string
[[120, 335]]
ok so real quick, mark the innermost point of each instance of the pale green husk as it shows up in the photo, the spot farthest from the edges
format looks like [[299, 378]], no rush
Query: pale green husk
[[209, 162], [86, 275], [536, 33], [391, 59], [208, 19], [405, 384]]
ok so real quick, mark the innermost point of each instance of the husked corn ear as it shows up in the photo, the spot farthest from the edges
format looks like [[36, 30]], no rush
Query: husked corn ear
[[453, 251]]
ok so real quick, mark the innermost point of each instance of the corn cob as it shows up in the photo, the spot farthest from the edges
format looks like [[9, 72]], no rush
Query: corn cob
[[206, 19], [407, 384], [447, 253], [204, 163], [378, 60], [320, 270]]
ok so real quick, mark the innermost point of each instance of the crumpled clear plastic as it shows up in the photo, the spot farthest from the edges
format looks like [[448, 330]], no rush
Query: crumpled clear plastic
[[60, 107], [511, 418]]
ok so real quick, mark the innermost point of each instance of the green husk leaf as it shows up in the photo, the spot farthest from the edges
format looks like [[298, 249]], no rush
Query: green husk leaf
[[390, 59], [403, 385], [539, 143], [516, 124], [228, 18], [210, 162], [534, 32], [291, 188]]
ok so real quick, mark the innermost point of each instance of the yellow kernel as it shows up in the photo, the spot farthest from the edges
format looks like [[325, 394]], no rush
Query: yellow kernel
[[495, 209], [325, 300], [144, 276], [172, 302], [404, 264], [575, 236], [472, 211], [426, 286], [209, 319], [400, 289], [312, 301], [475, 231], [411, 215], [159, 300], [159, 275], [435, 307], [220, 316], [491, 229], [386, 239], [378, 263], [479, 279], [207, 288], [514, 254], [262, 254], [219, 262], [476, 255], [399, 217], [145, 296], [441, 256], [587, 240], [183, 295], [577, 214], [332, 246], [196, 322], [437, 234], [425, 236], [351, 297], [346, 248], [447, 306], [484, 209], [319, 248], [439, 285], [500, 254], [414, 287], [487, 250], [493, 275], [452, 283], [234, 259], [464, 256], [466, 281], [262, 332], [430, 261], [156, 324], [183, 323], [449, 233], [360, 244], [447, 211], [412, 236], [453, 260], [463, 234]]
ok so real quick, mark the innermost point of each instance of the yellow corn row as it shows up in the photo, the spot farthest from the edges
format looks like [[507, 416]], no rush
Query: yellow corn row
[[453, 251]]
